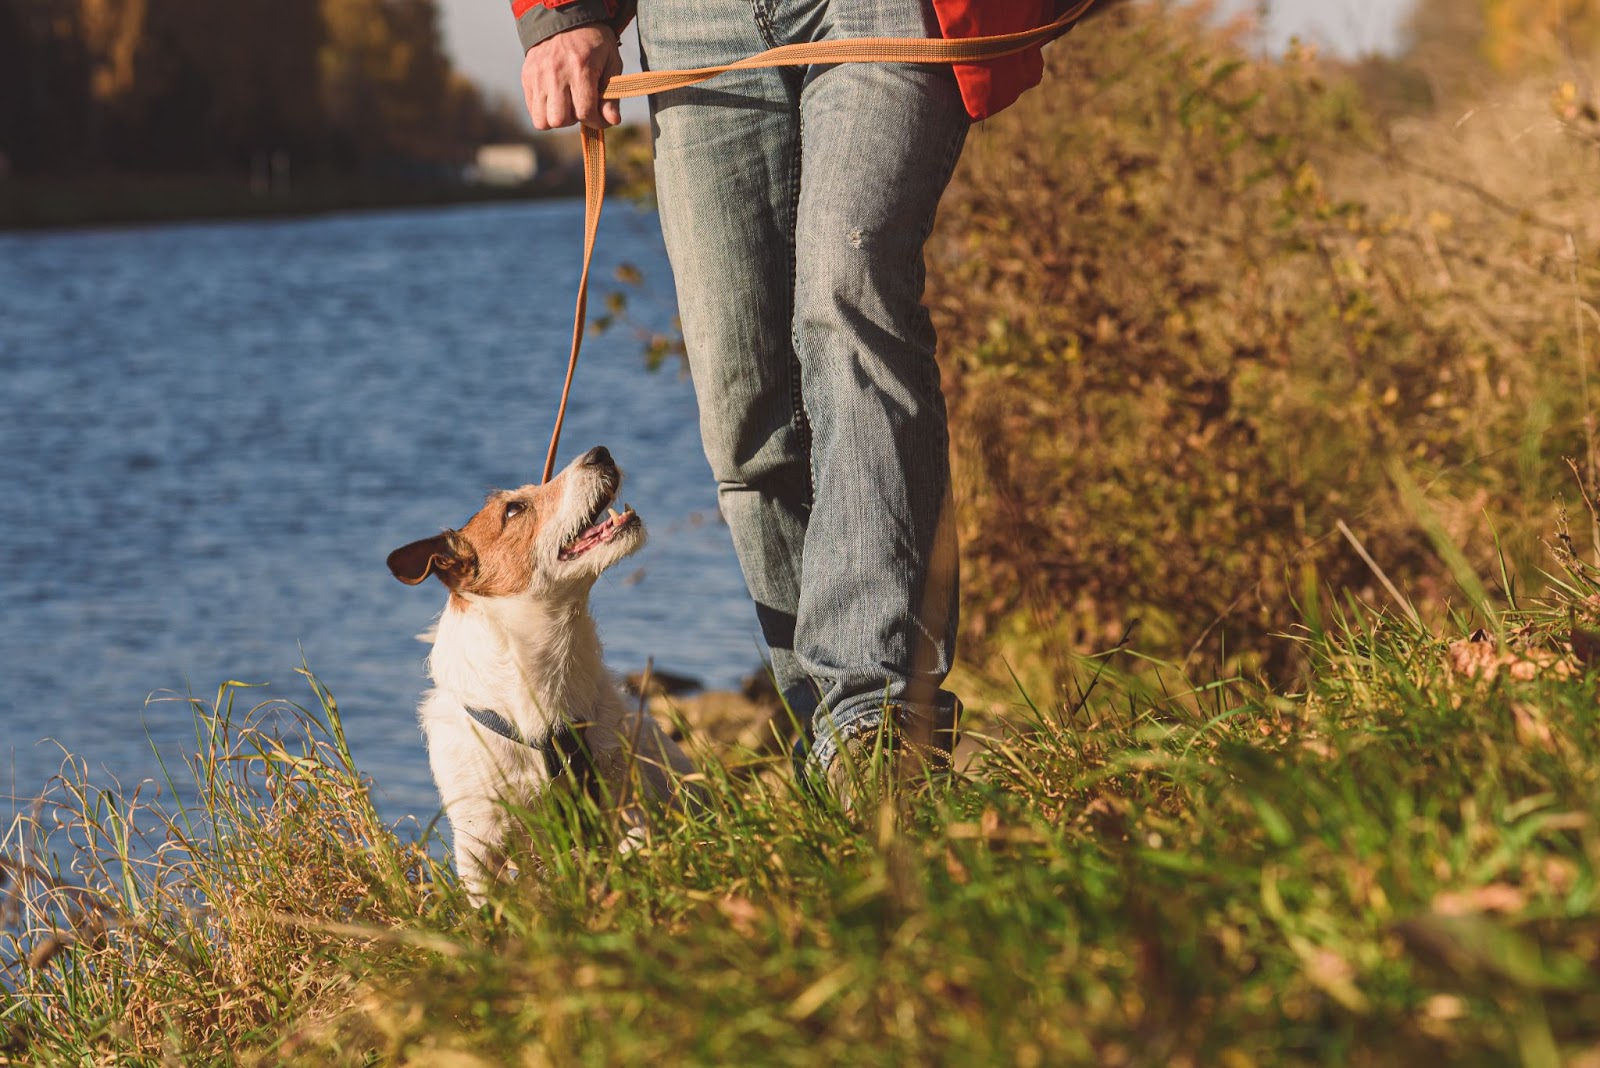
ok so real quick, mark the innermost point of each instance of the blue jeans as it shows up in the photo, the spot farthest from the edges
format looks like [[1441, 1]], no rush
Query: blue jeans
[[795, 204]]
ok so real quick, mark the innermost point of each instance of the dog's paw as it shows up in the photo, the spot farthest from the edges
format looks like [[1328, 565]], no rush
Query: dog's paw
[[636, 838]]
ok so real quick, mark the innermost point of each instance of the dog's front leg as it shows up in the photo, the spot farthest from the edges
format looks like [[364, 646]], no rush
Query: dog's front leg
[[479, 829]]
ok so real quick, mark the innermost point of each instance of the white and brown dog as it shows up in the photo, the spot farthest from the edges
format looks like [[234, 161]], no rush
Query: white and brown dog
[[522, 701]]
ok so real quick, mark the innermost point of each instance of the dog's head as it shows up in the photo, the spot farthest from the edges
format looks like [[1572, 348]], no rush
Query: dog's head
[[534, 541]]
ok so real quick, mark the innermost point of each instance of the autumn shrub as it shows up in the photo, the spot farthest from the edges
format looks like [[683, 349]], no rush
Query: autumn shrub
[[1198, 309]]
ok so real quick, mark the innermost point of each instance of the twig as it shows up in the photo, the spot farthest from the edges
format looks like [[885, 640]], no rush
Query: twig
[[1494, 201], [1579, 306], [1361, 551], [393, 936], [1594, 512]]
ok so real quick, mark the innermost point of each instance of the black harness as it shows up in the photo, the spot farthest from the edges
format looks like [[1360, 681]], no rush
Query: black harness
[[563, 749]]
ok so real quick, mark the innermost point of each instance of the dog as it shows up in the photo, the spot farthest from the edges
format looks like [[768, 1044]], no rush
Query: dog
[[522, 702]]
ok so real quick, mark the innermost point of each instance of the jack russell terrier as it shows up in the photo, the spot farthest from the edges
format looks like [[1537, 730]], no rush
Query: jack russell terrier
[[521, 699]]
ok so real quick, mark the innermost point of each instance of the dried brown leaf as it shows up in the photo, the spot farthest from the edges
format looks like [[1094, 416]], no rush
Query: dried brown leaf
[[1495, 897]]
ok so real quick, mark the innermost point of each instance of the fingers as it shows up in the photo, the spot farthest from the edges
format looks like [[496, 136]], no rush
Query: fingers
[[545, 91], [611, 110], [588, 106], [585, 97], [563, 75]]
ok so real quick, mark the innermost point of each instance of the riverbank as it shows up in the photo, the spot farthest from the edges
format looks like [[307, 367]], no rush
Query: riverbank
[[115, 200], [247, 397]]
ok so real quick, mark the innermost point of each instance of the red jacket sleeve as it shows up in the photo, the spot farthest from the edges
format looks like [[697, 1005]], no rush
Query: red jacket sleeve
[[538, 20]]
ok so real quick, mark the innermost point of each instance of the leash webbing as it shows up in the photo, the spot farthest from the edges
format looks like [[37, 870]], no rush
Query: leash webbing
[[851, 50], [594, 195]]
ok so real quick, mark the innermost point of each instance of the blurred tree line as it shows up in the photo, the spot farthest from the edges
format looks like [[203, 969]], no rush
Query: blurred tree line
[[203, 85]]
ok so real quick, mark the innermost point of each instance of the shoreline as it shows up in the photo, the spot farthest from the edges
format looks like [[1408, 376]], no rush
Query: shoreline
[[31, 205]]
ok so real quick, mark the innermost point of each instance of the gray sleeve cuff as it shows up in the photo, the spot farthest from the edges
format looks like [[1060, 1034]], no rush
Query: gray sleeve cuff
[[540, 23]]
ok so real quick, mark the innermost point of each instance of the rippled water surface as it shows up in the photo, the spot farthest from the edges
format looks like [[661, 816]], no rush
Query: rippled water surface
[[213, 434]]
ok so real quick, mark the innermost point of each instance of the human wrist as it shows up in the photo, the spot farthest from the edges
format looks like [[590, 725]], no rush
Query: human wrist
[[539, 23], [563, 78]]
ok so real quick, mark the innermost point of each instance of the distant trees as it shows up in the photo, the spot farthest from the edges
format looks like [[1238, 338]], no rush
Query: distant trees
[[210, 82], [388, 89], [197, 84], [44, 83]]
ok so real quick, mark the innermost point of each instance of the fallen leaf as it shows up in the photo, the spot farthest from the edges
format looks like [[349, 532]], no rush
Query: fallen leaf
[[1478, 657], [740, 913], [1532, 730], [1495, 897], [1444, 1007]]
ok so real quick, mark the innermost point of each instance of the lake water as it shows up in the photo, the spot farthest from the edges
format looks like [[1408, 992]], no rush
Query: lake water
[[213, 434]]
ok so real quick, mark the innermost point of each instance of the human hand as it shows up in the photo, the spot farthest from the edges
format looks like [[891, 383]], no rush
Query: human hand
[[562, 78]]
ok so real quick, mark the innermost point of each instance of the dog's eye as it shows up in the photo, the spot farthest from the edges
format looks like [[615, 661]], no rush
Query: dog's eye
[[515, 508]]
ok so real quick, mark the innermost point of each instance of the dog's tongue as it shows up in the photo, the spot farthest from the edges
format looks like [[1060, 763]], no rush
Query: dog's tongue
[[608, 526], [600, 533]]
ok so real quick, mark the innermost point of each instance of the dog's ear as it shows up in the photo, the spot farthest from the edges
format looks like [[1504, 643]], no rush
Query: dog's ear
[[447, 555]]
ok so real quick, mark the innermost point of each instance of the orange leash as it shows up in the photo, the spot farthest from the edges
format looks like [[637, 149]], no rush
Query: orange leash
[[594, 197], [853, 50]]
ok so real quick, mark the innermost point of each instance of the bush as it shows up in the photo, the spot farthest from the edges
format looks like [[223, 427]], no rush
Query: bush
[[1197, 309]]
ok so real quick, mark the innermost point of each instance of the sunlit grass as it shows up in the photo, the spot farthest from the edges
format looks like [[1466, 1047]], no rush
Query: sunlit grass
[[1397, 864], [137, 922]]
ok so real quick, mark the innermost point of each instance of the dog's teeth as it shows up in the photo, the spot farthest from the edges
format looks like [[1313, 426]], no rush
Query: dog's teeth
[[614, 513]]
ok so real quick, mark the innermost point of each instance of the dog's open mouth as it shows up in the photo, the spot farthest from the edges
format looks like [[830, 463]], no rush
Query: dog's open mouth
[[604, 525]]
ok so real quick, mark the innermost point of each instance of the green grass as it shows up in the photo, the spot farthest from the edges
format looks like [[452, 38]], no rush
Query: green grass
[[1395, 866]]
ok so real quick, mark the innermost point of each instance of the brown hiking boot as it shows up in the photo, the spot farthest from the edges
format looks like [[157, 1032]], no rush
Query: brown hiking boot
[[907, 750]]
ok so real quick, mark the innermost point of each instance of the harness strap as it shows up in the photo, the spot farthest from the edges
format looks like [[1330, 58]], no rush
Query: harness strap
[[563, 748], [852, 50]]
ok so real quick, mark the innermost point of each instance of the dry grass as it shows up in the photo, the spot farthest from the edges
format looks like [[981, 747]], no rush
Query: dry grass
[[142, 924]]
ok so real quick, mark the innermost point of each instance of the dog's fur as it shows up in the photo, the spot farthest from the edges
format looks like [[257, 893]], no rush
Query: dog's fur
[[516, 637]]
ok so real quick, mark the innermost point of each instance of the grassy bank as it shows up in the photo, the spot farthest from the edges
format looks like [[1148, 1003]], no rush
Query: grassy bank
[[1394, 866]]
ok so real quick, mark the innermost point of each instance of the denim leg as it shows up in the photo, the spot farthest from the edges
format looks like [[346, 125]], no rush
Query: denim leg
[[727, 176], [795, 205], [877, 618]]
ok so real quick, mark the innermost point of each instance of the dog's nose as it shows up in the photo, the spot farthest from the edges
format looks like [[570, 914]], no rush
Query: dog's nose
[[599, 456]]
